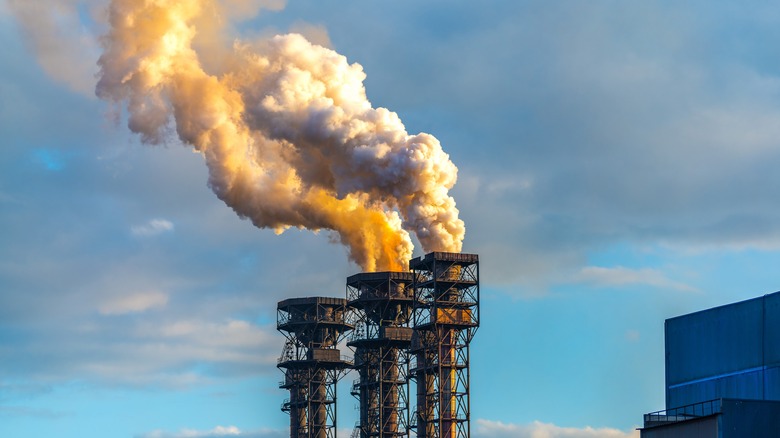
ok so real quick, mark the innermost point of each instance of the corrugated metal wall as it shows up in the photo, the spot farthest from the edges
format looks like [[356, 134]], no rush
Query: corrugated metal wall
[[726, 352], [752, 419]]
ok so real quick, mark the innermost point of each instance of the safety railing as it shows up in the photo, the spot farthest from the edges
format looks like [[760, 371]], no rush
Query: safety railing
[[683, 413]]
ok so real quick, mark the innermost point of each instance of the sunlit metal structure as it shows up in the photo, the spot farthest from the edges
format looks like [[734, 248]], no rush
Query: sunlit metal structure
[[311, 362], [382, 305], [445, 319]]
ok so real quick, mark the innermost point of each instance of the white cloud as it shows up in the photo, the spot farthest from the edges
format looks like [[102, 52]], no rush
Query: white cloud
[[632, 335], [219, 431], [537, 429], [152, 228], [133, 303], [622, 276], [230, 334], [660, 144], [164, 353]]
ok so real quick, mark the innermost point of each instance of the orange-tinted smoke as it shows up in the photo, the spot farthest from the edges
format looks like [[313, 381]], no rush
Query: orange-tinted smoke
[[287, 132]]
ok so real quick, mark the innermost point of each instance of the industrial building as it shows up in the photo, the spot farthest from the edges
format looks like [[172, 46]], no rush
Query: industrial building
[[722, 373], [404, 327]]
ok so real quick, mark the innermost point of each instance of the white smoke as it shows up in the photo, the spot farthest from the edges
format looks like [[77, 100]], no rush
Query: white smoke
[[64, 48], [285, 128]]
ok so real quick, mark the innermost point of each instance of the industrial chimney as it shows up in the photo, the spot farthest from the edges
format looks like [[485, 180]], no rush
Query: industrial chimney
[[382, 305], [445, 319], [311, 362], [405, 326]]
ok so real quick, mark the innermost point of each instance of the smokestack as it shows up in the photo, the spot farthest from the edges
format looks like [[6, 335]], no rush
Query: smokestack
[[382, 303], [286, 130], [446, 317], [311, 362]]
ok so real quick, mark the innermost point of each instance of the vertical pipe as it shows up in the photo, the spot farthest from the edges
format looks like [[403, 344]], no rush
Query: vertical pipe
[[297, 415], [319, 404], [390, 392], [426, 379], [430, 409], [372, 396], [422, 400], [365, 394], [448, 385]]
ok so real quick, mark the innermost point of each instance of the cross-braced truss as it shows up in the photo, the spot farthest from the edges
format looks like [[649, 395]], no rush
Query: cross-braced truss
[[311, 362], [445, 319], [382, 309]]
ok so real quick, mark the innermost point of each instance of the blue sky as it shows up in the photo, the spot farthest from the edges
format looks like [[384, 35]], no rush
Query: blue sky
[[617, 166]]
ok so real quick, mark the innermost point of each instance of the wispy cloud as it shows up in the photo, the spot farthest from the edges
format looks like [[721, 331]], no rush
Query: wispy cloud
[[133, 303], [632, 335], [152, 228], [164, 353], [622, 276], [148, 351], [24, 411], [219, 431], [537, 429]]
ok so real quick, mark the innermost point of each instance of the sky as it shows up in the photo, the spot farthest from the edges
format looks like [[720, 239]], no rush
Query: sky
[[616, 166]]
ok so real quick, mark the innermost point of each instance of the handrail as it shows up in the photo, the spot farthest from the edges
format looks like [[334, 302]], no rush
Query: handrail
[[683, 413]]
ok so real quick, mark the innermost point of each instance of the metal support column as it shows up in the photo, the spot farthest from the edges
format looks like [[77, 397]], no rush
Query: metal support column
[[445, 317], [382, 305], [311, 362]]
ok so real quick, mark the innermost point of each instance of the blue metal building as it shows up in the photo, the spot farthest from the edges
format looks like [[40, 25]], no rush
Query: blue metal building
[[731, 351], [722, 373]]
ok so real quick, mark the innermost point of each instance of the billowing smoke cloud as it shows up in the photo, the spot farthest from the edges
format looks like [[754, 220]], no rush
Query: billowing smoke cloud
[[286, 130]]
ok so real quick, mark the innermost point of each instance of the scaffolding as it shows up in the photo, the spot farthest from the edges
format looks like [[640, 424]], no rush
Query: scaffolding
[[445, 319], [311, 363], [382, 305]]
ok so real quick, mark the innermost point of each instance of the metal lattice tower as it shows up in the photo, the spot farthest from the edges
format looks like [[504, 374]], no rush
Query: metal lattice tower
[[382, 303], [445, 317], [311, 362]]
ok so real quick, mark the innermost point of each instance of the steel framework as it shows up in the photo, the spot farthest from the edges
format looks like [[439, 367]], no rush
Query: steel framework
[[382, 305], [311, 362], [445, 319]]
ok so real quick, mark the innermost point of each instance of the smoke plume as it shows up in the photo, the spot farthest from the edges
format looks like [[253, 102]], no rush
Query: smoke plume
[[65, 50], [286, 130]]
